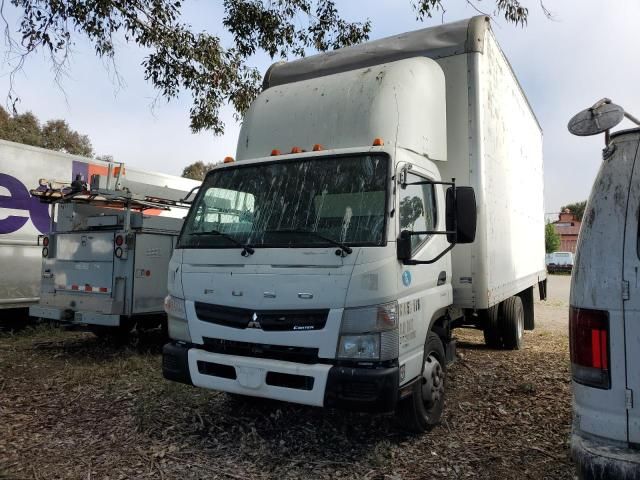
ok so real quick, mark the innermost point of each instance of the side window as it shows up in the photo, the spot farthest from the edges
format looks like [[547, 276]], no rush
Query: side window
[[417, 209]]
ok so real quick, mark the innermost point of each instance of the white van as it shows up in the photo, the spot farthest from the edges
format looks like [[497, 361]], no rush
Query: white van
[[604, 319]]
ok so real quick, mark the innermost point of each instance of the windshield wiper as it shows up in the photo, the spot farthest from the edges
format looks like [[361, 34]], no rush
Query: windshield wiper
[[344, 249], [246, 248]]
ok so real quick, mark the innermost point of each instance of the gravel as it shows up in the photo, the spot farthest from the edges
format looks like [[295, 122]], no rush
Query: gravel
[[72, 406]]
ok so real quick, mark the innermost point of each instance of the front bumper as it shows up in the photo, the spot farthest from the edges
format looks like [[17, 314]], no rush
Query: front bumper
[[598, 459], [322, 385], [70, 316]]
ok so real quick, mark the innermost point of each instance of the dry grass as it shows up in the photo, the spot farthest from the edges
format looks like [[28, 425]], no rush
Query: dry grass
[[72, 406]]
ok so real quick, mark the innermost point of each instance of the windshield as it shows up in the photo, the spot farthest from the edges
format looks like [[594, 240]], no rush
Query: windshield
[[313, 202]]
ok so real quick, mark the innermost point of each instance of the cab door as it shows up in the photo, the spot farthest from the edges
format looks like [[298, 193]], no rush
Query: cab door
[[423, 290], [631, 285]]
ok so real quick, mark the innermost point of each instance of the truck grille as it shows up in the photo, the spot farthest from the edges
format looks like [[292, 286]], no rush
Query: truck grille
[[267, 320], [258, 350]]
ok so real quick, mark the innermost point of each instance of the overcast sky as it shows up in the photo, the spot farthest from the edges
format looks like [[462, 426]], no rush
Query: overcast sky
[[587, 52]]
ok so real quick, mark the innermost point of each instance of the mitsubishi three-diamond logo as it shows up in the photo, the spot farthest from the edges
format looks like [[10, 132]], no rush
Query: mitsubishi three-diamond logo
[[254, 323]]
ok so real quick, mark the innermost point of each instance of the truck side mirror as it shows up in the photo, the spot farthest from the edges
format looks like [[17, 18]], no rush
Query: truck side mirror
[[461, 215], [403, 245]]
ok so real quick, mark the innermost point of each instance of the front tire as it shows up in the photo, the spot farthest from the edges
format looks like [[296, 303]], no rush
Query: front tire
[[421, 411]]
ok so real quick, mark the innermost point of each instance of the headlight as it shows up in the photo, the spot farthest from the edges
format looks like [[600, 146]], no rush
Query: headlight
[[178, 329], [177, 325], [360, 347], [369, 333]]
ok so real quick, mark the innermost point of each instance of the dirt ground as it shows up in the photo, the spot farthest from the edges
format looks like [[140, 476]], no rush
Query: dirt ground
[[72, 406]]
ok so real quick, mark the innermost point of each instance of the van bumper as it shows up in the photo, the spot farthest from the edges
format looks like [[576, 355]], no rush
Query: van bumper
[[598, 459], [360, 389]]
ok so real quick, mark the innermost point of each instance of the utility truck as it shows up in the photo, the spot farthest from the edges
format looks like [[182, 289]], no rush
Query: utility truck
[[105, 258], [382, 195], [23, 218]]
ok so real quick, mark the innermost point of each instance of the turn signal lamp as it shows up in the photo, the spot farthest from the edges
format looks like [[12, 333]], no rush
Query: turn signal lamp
[[378, 142], [275, 152], [228, 160], [317, 147]]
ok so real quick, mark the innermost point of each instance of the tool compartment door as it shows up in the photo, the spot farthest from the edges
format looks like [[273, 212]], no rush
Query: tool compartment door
[[631, 289], [152, 255], [83, 261]]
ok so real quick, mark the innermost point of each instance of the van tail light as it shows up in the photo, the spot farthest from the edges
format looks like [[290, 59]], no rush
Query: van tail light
[[589, 345]]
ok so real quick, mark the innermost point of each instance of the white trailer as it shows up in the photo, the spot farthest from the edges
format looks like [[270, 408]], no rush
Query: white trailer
[[105, 258], [23, 218], [319, 268]]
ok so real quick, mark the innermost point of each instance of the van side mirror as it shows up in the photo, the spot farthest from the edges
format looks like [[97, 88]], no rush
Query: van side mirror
[[461, 215]]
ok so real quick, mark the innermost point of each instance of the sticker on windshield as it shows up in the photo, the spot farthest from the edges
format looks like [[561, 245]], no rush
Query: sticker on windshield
[[406, 278]]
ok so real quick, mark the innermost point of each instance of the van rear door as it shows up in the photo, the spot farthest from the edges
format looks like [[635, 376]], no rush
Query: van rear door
[[631, 288]]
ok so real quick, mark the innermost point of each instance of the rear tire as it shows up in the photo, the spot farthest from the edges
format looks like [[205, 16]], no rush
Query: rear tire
[[421, 411], [492, 337], [512, 323]]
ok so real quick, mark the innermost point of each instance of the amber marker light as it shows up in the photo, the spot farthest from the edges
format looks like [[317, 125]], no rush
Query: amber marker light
[[228, 160], [378, 142]]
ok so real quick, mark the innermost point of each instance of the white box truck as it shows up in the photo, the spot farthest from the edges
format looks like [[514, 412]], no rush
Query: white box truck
[[320, 267], [23, 218]]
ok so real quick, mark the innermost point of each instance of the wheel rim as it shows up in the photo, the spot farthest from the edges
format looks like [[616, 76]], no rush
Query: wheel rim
[[520, 326], [432, 380]]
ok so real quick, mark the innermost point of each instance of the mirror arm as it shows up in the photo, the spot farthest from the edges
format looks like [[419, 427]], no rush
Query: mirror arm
[[452, 183], [429, 262], [429, 232]]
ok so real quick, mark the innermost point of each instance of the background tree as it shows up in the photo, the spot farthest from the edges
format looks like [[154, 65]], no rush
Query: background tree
[[54, 135], [411, 209], [576, 208], [551, 238], [181, 59], [24, 128], [197, 170], [105, 158]]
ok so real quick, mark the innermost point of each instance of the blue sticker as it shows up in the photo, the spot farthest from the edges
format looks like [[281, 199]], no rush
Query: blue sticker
[[406, 278]]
